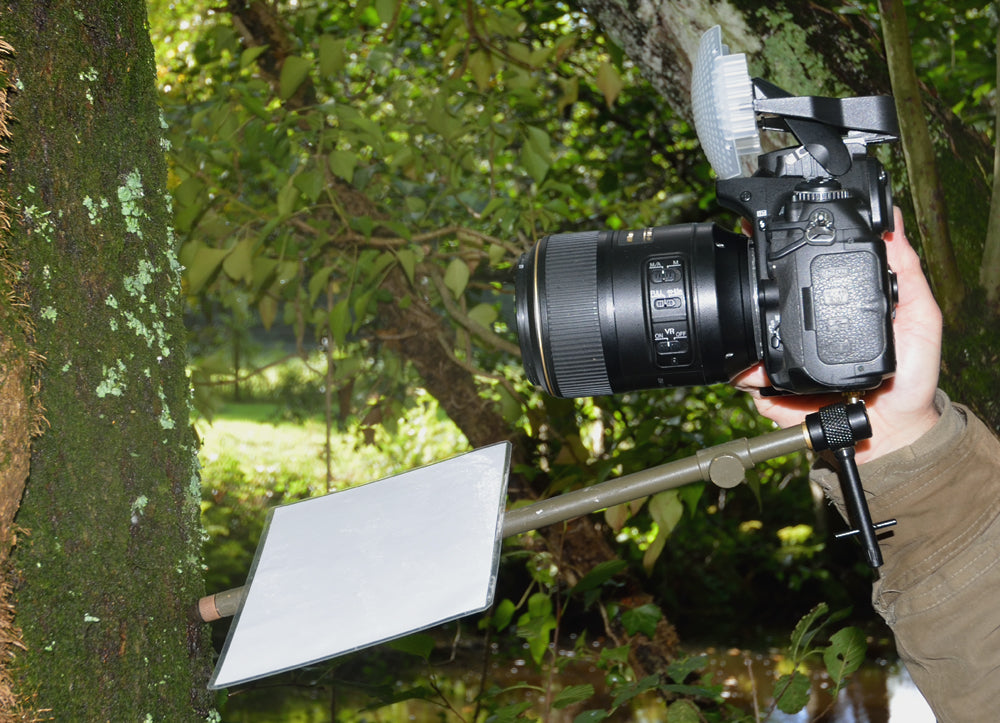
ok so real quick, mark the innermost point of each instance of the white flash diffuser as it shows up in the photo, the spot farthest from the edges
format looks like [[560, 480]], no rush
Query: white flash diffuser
[[722, 98]]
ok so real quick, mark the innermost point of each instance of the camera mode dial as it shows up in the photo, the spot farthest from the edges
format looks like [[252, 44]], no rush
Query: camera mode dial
[[821, 195]]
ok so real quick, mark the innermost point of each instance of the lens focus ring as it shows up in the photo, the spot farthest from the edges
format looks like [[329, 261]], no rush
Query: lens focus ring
[[570, 301]]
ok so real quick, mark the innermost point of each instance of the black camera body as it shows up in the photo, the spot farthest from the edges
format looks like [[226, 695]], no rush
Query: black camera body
[[824, 289], [810, 293]]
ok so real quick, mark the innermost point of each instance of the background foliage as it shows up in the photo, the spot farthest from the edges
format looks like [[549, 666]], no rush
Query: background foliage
[[352, 184]]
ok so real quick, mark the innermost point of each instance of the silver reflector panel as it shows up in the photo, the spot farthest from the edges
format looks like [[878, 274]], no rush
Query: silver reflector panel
[[372, 563]]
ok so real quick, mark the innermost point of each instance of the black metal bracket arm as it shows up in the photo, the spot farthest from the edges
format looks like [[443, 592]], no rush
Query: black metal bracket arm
[[838, 427]]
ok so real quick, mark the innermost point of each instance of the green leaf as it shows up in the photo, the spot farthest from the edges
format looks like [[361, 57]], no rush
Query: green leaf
[[263, 271], [609, 82], [601, 573], [845, 654], [441, 121], [248, 56], [203, 263], [536, 625], [343, 163], [611, 657], [361, 305], [539, 140], [683, 711], [484, 314], [318, 282], [238, 264], [642, 619], [310, 183], [630, 691], [653, 552], [689, 495], [680, 670], [286, 271], [497, 254], [536, 165], [793, 692], [267, 307], [383, 261], [536, 155], [188, 203], [456, 278], [386, 9], [492, 206], [572, 694], [416, 205], [332, 55], [503, 613], [540, 605], [481, 67], [364, 224], [419, 644], [591, 716], [287, 199], [401, 229], [804, 632], [408, 260], [617, 516], [508, 713], [187, 193], [294, 71], [570, 93], [510, 408], [340, 321], [690, 690], [666, 510]]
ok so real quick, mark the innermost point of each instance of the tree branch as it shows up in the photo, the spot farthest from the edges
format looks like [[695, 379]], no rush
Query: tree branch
[[921, 166], [989, 271], [469, 324]]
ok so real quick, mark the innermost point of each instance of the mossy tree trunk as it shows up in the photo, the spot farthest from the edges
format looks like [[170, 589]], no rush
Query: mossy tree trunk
[[814, 49], [109, 563]]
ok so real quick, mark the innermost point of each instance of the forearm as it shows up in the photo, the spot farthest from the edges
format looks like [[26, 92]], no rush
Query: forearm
[[937, 588]]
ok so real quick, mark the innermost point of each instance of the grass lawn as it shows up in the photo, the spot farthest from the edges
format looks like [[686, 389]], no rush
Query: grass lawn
[[267, 448]]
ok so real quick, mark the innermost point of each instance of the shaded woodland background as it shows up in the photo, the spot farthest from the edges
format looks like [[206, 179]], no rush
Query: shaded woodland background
[[349, 187]]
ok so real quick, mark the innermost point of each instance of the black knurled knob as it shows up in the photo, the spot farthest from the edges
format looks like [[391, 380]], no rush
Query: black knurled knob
[[838, 425]]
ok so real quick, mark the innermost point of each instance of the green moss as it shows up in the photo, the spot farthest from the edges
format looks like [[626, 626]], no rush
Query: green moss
[[117, 647]]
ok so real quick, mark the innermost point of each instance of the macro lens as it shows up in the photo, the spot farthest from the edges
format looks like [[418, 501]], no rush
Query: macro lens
[[603, 312]]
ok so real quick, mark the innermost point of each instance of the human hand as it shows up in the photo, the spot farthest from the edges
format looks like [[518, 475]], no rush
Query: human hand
[[902, 408]]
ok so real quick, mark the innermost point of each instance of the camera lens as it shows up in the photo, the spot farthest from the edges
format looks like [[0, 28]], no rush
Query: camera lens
[[603, 312]]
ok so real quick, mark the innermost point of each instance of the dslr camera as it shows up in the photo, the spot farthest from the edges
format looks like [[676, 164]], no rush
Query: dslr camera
[[809, 293]]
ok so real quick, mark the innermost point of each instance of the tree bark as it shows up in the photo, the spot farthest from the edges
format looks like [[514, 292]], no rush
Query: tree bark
[[19, 414], [110, 562]]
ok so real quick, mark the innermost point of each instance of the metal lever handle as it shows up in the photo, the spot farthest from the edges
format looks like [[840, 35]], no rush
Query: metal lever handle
[[838, 427], [857, 507]]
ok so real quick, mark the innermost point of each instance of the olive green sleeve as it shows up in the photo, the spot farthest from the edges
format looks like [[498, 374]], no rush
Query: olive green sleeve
[[939, 589]]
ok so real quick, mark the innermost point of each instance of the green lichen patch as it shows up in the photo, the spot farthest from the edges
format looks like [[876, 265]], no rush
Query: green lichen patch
[[112, 382], [136, 284], [94, 208], [130, 195], [138, 508]]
